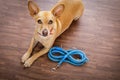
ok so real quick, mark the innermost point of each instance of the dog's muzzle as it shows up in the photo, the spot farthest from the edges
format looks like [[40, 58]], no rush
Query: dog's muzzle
[[45, 32]]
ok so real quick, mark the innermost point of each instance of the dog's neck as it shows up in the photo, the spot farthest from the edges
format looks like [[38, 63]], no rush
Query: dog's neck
[[59, 28]]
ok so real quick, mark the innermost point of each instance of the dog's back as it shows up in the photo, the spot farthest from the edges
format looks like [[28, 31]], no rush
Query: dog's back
[[72, 11]]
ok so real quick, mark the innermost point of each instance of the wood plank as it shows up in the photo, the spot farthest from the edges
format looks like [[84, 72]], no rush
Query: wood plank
[[97, 33]]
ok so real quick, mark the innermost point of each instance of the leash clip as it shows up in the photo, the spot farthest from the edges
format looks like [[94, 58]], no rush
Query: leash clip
[[55, 68]]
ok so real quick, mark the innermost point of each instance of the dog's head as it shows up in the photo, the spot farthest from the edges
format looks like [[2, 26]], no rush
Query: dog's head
[[46, 21]]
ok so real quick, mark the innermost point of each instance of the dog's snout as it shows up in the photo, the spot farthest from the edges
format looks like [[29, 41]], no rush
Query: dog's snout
[[45, 32]]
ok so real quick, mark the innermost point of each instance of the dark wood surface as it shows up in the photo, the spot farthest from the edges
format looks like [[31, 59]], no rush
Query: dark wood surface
[[97, 33]]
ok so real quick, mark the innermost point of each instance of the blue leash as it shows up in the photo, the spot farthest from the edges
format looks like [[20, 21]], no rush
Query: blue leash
[[67, 56]]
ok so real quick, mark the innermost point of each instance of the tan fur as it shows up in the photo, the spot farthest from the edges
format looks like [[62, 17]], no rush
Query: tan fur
[[62, 15]]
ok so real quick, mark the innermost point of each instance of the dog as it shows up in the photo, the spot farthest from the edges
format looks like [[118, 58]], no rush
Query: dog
[[50, 24]]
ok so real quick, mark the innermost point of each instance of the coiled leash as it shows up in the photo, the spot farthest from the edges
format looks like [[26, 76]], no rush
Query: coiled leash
[[67, 56]]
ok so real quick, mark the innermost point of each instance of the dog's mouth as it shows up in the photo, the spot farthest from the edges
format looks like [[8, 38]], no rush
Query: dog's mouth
[[51, 31], [39, 33], [45, 33]]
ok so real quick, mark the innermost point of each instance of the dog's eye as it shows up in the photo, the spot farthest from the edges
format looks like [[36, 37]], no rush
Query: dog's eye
[[50, 22], [39, 21]]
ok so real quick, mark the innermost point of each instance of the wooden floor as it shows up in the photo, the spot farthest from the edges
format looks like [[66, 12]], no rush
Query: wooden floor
[[97, 33]]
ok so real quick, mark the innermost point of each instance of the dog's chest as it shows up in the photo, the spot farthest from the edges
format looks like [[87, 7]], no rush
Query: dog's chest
[[44, 40]]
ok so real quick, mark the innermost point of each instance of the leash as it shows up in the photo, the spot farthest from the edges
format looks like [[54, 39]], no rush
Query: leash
[[67, 56]]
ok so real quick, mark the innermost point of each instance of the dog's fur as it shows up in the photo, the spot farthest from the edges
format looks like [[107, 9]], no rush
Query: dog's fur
[[50, 24]]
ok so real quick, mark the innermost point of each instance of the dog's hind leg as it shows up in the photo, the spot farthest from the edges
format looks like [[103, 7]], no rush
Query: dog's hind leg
[[79, 14]]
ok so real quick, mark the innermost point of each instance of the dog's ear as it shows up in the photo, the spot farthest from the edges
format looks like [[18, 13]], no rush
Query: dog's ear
[[58, 10], [33, 8]]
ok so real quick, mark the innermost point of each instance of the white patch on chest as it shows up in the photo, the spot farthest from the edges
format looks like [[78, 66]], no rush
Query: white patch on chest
[[44, 40]]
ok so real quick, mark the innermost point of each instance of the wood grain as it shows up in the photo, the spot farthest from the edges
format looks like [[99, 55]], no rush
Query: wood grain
[[97, 33]]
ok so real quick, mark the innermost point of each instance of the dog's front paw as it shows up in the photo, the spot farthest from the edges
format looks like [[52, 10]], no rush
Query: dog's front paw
[[24, 57], [28, 63]]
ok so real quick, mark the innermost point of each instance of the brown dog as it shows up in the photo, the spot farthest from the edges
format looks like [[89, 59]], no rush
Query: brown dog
[[50, 24]]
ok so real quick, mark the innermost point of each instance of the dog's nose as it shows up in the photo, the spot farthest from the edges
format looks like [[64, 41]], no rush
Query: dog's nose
[[45, 32]]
